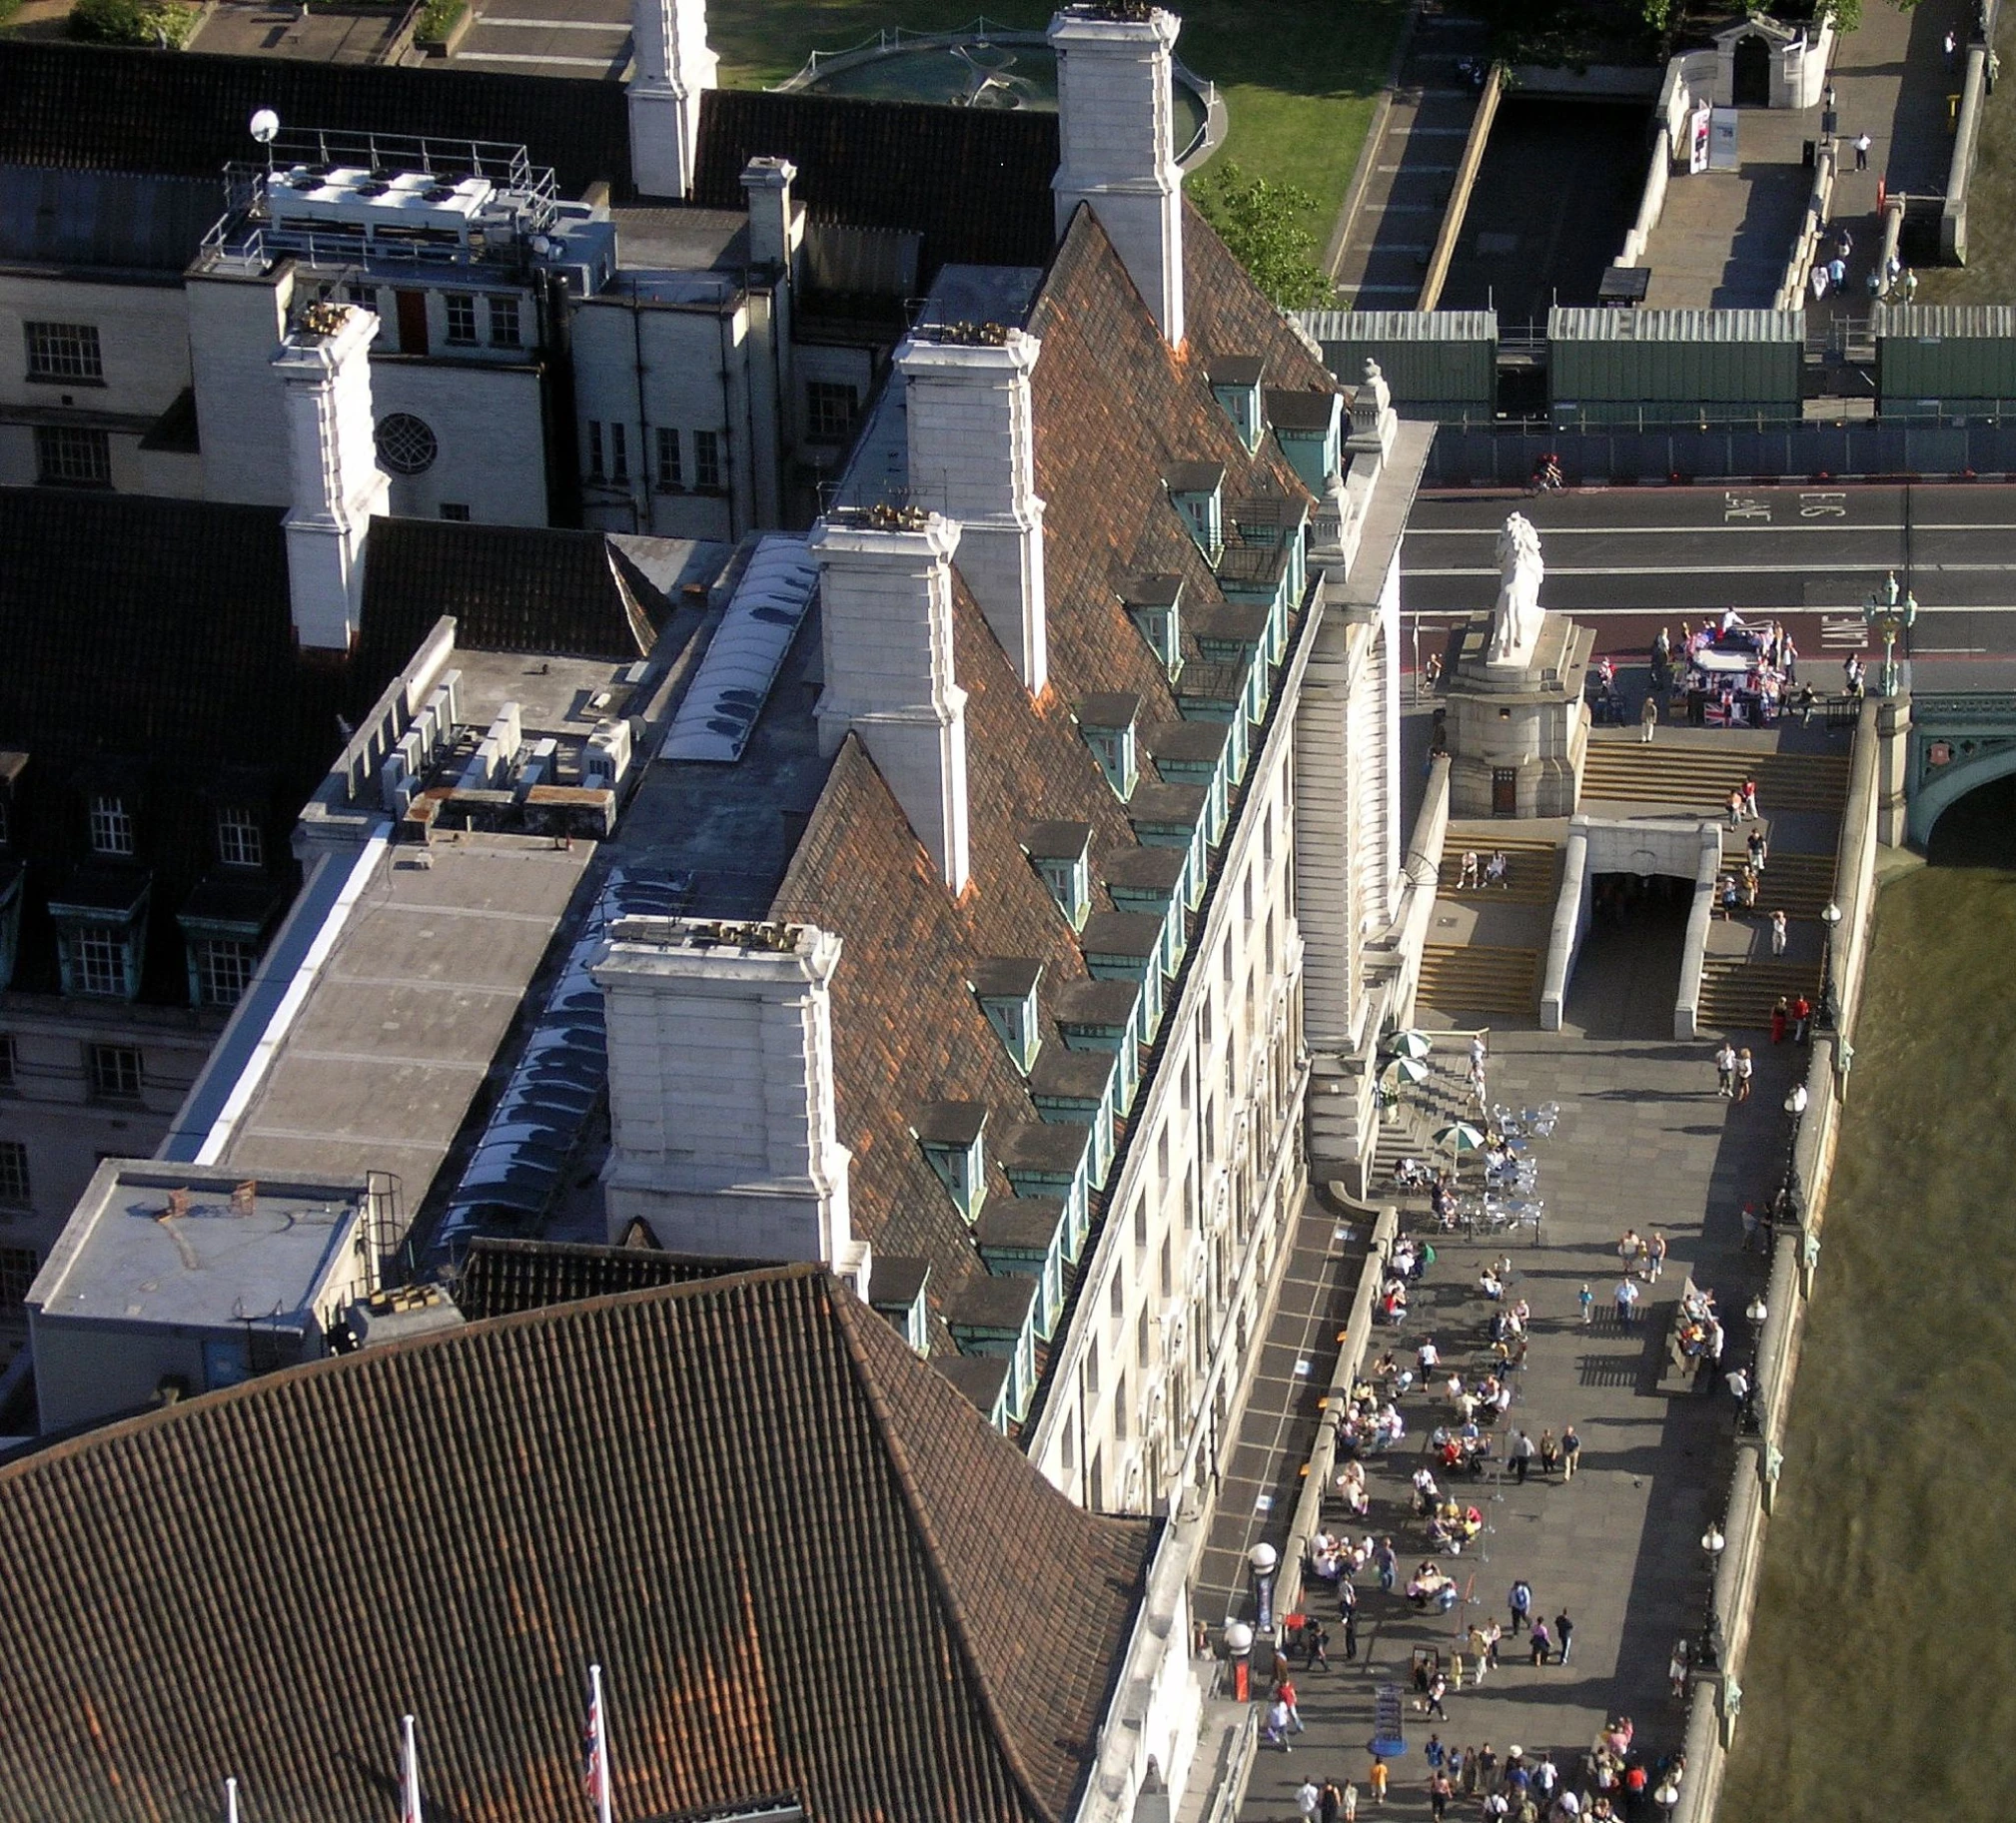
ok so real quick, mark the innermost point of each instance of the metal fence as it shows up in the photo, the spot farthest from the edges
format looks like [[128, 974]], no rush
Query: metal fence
[[1505, 455]]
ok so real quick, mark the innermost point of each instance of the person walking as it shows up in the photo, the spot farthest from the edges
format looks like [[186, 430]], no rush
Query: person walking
[[1437, 1690], [1649, 717], [1781, 1016], [1779, 932], [1277, 1724], [1284, 1691], [1329, 1803], [1387, 1563], [1377, 1780], [1520, 1601], [1550, 1453], [1734, 808], [1655, 1257], [1745, 1068], [1308, 1801], [1317, 1642], [1588, 1300], [1626, 1296], [1564, 1633], [1347, 1812], [1543, 1640], [1725, 1069], [1572, 1447], [1524, 1451], [1802, 1011], [1437, 1794], [1862, 144]]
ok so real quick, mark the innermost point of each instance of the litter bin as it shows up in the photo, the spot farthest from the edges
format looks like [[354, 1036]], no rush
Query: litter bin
[[1808, 150]]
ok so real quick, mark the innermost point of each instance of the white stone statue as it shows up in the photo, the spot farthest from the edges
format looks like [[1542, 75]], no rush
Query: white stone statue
[[1515, 620]]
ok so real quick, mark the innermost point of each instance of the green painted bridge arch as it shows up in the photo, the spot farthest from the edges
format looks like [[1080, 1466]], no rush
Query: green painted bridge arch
[[1960, 740]]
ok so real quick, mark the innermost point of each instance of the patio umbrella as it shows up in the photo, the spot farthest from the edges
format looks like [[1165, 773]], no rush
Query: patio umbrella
[[1412, 1045], [1405, 1070], [1460, 1137]]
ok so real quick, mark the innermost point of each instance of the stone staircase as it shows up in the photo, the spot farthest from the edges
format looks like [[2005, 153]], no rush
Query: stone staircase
[[1533, 868], [1798, 884], [1739, 992], [1408, 1131], [1700, 778], [1458, 979]]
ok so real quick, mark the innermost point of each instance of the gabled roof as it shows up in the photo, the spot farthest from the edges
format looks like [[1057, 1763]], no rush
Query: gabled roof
[[105, 218], [500, 1276], [803, 1561], [512, 589], [106, 108], [974, 182]]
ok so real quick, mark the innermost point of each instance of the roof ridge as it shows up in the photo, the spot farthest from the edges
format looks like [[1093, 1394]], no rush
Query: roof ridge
[[846, 1310]]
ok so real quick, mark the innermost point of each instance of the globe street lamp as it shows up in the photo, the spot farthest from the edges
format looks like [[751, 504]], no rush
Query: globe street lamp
[[1712, 1546], [1832, 918], [1890, 612]]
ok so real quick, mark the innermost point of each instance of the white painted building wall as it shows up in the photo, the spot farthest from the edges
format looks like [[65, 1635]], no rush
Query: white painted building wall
[[488, 423]]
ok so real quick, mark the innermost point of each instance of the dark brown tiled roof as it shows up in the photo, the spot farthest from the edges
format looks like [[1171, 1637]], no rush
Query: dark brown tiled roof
[[149, 646], [889, 164], [804, 1564], [103, 108], [500, 1276], [512, 589]]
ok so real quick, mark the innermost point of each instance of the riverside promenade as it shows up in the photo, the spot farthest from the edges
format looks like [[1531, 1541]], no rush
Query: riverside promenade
[[1645, 1142]]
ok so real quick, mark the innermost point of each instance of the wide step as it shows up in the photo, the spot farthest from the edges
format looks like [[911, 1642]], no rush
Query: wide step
[[1799, 885], [1702, 778], [1532, 867], [1479, 978], [1738, 993]]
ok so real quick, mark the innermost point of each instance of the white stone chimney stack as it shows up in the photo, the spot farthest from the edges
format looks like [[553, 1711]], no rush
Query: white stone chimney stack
[[885, 594], [723, 1134], [674, 66], [973, 453], [1117, 109], [325, 371], [773, 235]]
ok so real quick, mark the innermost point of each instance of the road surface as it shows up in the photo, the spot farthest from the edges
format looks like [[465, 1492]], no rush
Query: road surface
[[1630, 561]]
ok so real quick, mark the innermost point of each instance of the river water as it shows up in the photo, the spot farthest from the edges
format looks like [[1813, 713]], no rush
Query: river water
[[1881, 1681]]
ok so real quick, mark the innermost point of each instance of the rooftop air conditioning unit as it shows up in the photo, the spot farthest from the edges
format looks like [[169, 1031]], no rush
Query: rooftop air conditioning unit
[[607, 756]]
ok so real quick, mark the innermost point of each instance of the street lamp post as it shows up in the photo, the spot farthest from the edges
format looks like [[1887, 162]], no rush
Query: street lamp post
[[1890, 612], [1712, 1546], [1832, 918]]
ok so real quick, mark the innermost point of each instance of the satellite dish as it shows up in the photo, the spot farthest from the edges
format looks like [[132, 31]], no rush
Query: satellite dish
[[265, 125], [541, 246]]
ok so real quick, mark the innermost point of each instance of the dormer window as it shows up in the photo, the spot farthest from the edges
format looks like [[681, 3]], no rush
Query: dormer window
[[1309, 427], [1235, 384], [1005, 986], [1107, 723], [1198, 490], [240, 841], [1155, 605], [111, 826], [1062, 853], [951, 1134]]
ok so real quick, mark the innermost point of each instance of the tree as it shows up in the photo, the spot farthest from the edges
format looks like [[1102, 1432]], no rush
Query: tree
[[1265, 226]]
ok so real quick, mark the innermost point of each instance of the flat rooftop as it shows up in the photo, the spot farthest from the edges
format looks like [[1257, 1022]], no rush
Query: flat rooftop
[[219, 1260]]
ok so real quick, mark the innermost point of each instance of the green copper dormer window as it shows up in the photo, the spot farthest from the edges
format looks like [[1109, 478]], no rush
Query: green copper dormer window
[[1107, 723], [1155, 605], [1005, 986], [953, 1135], [1062, 854], [1235, 384], [1198, 490]]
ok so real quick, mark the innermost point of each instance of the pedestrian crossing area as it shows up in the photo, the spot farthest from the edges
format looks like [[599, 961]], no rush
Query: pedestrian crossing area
[[1844, 633]]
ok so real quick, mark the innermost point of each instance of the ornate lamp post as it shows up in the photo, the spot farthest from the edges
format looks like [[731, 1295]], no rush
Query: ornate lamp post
[[1890, 612], [1832, 918], [1713, 1543]]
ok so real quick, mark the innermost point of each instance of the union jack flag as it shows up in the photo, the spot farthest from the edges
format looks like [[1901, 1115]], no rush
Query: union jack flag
[[595, 1748]]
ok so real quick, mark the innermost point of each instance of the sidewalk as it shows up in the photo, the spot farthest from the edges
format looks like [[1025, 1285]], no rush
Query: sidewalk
[[1644, 1142]]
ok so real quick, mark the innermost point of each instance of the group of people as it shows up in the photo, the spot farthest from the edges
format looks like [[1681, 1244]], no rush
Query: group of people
[[1732, 672], [1479, 871]]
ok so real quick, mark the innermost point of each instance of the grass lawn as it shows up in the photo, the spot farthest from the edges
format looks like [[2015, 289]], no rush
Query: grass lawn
[[1299, 77], [1989, 276]]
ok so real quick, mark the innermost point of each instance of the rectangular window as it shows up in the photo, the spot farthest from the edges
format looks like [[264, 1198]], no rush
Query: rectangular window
[[671, 477], [619, 452], [224, 972], [13, 1172], [594, 451], [69, 456], [707, 462], [63, 350], [460, 320], [111, 827], [114, 1070], [829, 412], [364, 297], [1120, 1407], [17, 1274], [504, 320], [240, 840], [99, 963], [454, 509]]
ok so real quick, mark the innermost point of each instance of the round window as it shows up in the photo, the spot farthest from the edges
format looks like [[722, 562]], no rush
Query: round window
[[405, 443]]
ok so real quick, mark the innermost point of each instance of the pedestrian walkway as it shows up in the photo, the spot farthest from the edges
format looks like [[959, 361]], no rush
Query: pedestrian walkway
[[1645, 1141], [1388, 237]]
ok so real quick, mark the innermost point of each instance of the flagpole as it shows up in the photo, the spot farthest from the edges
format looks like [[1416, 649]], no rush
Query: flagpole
[[408, 1798], [230, 1801], [605, 1798]]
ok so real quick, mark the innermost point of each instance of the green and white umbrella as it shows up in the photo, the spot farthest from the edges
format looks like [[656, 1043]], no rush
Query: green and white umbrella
[[1460, 1135], [1412, 1046], [1401, 1070]]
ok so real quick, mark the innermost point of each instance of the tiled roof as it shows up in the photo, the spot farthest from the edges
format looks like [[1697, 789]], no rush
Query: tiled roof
[[499, 1278], [891, 164], [102, 107], [803, 1561], [512, 589], [1115, 411], [149, 641]]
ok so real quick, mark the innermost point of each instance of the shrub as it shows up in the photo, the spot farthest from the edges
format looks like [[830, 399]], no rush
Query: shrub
[[438, 19], [161, 22]]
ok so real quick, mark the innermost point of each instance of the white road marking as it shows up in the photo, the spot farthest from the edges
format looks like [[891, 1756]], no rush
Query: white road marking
[[1834, 528], [1920, 570], [586, 63], [1844, 633], [559, 25]]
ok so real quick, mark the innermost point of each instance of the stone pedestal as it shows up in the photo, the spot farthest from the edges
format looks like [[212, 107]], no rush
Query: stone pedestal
[[1517, 733]]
